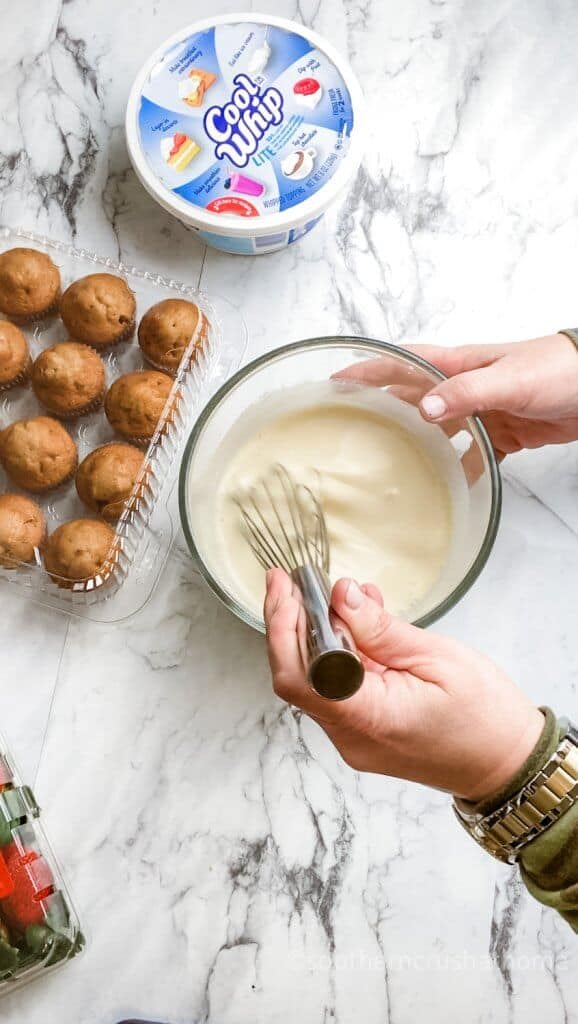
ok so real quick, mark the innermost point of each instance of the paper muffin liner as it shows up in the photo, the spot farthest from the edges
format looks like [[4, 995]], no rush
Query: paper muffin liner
[[22, 378], [139, 442], [76, 414]]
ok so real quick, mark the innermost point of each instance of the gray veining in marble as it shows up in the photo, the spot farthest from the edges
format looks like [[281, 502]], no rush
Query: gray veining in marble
[[229, 868]]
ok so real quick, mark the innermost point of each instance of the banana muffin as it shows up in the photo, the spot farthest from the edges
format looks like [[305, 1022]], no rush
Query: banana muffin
[[37, 454], [105, 479], [22, 530], [99, 310], [135, 402], [78, 550], [167, 329], [29, 284], [14, 356], [68, 379]]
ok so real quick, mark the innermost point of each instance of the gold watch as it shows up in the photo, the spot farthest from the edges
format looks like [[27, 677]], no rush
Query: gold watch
[[533, 809]]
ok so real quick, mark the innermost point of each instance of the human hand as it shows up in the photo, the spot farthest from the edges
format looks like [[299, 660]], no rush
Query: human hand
[[429, 709], [526, 392]]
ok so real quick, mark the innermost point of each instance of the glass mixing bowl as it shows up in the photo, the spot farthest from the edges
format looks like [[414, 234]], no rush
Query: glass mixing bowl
[[462, 451]]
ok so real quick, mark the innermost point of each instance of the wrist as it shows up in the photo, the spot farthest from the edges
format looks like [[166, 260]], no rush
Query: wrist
[[509, 762], [542, 792]]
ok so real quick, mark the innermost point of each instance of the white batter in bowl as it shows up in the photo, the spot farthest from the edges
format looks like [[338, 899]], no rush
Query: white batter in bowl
[[386, 503], [409, 507]]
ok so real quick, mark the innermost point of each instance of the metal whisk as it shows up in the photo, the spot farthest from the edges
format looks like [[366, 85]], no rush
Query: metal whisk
[[285, 527]]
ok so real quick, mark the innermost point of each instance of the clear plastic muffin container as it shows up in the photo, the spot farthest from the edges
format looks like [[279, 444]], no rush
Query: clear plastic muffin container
[[39, 928], [145, 530]]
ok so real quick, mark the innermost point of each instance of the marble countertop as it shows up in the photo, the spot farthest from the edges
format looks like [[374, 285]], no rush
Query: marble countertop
[[227, 866]]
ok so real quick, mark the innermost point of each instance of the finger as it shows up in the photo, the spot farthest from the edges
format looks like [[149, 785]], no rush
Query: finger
[[373, 592], [379, 635], [370, 590], [409, 395], [381, 371], [459, 359], [477, 391], [389, 369], [286, 629], [278, 585], [281, 622]]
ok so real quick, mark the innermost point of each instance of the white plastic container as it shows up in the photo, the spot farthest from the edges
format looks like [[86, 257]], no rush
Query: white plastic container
[[246, 128]]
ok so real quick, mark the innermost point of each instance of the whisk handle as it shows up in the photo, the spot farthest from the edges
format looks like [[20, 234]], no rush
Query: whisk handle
[[335, 668]]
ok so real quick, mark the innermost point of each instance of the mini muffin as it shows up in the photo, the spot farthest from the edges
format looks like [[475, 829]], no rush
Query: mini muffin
[[167, 329], [37, 454], [29, 284], [22, 530], [14, 356], [78, 551], [99, 310], [68, 379], [106, 478], [134, 403]]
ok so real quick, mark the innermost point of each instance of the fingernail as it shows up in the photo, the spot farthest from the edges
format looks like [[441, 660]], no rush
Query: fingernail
[[353, 595], [434, 406], [268, 576]]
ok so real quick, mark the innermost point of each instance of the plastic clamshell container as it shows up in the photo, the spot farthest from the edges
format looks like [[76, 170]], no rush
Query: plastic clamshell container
[[39, 928], [144, 532], [247, 128]]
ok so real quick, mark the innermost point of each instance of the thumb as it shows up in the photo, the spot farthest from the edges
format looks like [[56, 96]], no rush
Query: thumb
[[476, 391], [378, 634]]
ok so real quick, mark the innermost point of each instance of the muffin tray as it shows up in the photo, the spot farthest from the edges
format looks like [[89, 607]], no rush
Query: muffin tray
[[39, 929], [144, 532]]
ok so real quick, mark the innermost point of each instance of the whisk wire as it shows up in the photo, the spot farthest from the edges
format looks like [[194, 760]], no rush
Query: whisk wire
[[284, 523], [262, 539], [285, 526], [297, 518], [288, 550]]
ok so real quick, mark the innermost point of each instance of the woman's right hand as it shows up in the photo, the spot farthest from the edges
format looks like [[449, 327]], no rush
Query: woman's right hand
[[429, 710], [526, 392]]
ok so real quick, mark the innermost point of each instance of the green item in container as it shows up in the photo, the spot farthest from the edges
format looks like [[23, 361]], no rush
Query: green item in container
[[8, 957], [5, 830]]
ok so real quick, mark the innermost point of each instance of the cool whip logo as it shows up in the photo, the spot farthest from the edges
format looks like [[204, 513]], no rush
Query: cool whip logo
[[239, 126]]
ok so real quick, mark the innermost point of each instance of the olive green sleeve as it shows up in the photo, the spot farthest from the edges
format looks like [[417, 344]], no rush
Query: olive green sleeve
[[549, 864]]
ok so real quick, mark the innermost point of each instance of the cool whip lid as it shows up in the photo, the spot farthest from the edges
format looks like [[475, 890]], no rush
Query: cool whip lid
[[245, 116]]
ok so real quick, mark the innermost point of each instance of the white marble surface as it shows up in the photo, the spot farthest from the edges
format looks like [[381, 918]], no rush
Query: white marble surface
[[229, 869]]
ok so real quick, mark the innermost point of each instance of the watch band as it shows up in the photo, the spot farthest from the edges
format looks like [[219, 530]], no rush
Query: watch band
[[570, 332], [542, 801]]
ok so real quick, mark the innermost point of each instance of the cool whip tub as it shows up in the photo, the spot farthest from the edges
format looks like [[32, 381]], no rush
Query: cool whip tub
[[247, 128]]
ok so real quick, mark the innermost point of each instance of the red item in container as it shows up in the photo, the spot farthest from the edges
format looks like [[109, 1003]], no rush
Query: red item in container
[[32, 882], [306, 86], [6, 881]]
